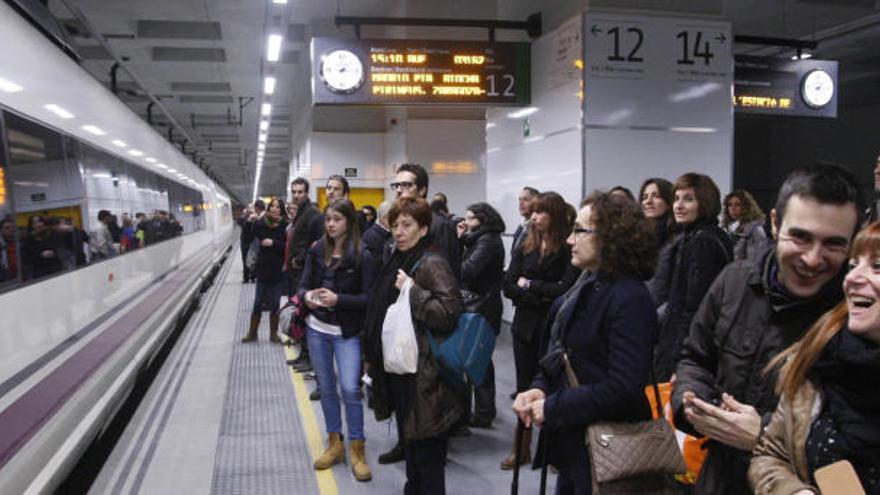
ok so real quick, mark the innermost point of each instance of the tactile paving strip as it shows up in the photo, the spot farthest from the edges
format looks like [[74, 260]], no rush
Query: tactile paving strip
[[261, 447]]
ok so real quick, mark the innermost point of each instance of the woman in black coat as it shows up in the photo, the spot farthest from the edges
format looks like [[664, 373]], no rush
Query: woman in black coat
[[695, 258], [269, 231], [482, 273], [539, 272], [606, 326]]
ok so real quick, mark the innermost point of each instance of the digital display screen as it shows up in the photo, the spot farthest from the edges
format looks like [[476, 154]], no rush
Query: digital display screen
[[783, 87], [408, 72]]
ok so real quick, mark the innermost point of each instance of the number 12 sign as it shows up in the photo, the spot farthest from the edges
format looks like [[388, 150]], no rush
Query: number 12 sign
[[647, 70]]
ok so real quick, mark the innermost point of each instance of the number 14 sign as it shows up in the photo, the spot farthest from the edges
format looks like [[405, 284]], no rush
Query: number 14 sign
[[665, 63]]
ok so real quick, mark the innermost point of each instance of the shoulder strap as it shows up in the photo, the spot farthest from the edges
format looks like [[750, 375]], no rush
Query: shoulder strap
[[573, 382]]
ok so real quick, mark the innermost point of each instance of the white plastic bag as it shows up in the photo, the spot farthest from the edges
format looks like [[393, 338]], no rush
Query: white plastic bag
[[399, 347]]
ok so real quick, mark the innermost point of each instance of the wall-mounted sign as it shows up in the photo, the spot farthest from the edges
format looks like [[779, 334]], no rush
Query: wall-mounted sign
[[657, 72], [38, 197], [779, 86], [410, 72], [351, 172]]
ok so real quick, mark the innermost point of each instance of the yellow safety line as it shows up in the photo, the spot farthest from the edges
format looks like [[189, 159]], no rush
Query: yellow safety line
[[326, 480]]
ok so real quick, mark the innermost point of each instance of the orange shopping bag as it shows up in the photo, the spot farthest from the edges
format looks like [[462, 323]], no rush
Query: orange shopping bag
[[692, 448]]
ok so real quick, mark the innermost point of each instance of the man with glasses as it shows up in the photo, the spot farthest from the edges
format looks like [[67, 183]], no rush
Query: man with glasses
[[755, 309]]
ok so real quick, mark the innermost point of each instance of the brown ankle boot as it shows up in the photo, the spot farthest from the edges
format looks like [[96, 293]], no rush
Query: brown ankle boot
[[273, 329], [334, 454], [252, 330], [525, 452], [359, 465]]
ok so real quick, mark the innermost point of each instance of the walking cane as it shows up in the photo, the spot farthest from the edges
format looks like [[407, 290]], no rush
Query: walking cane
[[544, 464], [514, 486]]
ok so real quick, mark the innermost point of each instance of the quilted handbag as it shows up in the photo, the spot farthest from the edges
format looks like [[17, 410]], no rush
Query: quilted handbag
[[631, 458]]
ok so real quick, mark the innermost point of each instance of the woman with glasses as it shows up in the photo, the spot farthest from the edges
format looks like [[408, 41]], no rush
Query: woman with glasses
[[482, 272], [269, 234], [539, 272], [696, 257], [424, 406], [335, 286], [605, 326]]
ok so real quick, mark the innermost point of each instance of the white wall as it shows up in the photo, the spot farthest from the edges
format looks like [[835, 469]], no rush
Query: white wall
[[333, 152], [453, 153]]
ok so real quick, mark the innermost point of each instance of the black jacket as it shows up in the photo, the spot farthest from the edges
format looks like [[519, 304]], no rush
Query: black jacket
[[482, 271], [608, 336], [270, 258], [697, 256], [550, 276], [375, 239], [740, 326], [444, 237], [307, 228], [350, 279]]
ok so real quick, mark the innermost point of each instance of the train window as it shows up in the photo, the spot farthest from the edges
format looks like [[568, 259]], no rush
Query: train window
[[9, 258]]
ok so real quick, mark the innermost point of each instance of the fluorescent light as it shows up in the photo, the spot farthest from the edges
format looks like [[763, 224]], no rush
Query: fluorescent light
[[525, 112], [119, 143], [102, 176], [161, 165], [802, 56], [266, 109], [269, 85], [172, 171], [93, 129], [273, 47], [64, 114], [135, 153], [693, 129], [280, 2], [490, 125], [262, 138], [9, 86], [264, 125]]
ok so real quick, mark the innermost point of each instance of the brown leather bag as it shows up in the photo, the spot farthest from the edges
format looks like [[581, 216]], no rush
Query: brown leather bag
[[631, 458]]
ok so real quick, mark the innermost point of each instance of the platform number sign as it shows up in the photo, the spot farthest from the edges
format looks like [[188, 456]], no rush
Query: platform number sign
[[628, 47]]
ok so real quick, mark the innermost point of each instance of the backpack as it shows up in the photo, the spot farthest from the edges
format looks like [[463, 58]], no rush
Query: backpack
[[465, 355]]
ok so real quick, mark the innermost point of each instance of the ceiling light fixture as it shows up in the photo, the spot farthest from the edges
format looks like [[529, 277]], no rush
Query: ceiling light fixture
[[269, 85], [135, 153], [273, 47], [264, 125], [64, 114], [8, 86], [525, 112], [266, 109], [120, 143], [150, 160], [93, 129], [172, 171], [280, 2], [161, 165]]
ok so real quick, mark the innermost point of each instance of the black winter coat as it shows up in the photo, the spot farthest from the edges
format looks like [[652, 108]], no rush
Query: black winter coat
[[608, 336], [697, 256], [375, 239], [551, 276], [270, 258], [444, 237], [739, 327], [307, 228], [482, 272], [351, 279]]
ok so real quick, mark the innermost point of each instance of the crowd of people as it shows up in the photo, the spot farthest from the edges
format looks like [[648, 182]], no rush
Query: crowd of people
[[765, 327], [53, 244]]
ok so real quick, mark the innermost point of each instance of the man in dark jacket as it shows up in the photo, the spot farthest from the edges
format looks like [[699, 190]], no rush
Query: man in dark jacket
[[412, 181], [308, 227], [378, 235], [755, 309], [527, 199]]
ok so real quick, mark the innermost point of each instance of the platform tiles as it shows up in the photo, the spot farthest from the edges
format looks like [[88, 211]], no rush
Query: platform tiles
[[229, 418]]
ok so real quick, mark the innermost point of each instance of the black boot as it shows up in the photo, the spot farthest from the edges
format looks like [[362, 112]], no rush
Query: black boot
[[392, 456]]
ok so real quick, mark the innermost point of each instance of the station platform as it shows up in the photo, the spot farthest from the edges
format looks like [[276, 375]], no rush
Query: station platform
[[230, 418]]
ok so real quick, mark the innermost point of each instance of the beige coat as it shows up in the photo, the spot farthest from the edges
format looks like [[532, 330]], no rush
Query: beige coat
[[779, 463]]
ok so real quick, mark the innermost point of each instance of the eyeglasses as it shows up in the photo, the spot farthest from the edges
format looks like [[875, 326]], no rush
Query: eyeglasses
[[402, 185], [579, 230]]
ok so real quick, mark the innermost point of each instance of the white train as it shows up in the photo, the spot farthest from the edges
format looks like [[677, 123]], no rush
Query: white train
[[75, 330]]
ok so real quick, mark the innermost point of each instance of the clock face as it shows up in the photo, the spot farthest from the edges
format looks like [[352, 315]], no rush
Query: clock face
[[342, 71], [817, 88]]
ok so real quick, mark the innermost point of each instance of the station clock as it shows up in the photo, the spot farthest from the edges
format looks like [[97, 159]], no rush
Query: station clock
[[342, 71]]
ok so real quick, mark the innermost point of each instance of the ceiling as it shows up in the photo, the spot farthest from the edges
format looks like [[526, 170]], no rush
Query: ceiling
[[204, 60]]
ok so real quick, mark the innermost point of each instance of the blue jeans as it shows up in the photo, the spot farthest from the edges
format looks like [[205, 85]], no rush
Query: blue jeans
[[322, 349], [270, 292]]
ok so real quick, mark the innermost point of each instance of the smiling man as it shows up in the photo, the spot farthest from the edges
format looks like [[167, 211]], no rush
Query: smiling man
[[755, 309]]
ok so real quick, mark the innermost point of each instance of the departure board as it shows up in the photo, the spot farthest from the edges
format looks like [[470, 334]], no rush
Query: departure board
[[409, 72]]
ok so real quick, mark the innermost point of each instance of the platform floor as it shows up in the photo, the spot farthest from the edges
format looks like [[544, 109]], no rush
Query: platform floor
[[230, 418]]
